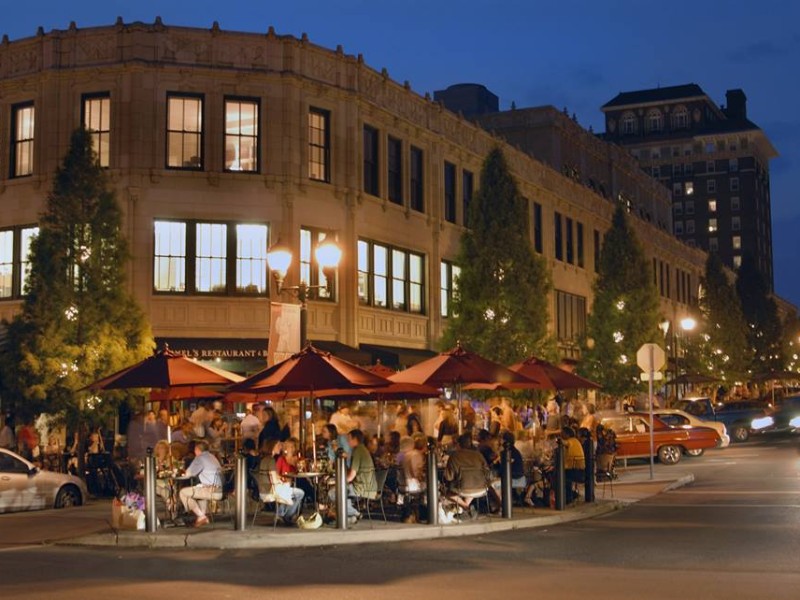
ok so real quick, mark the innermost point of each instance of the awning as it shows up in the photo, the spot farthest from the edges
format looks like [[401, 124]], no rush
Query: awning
[[348, 353], [397, 357]]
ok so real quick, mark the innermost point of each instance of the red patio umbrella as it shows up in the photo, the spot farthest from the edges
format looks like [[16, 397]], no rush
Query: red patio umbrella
[[176, 394], [455, 368], [551, 377], [165, 369]]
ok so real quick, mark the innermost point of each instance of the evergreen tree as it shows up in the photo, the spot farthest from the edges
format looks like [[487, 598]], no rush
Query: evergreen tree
[[764, 333], [625, 311], [78, 321], [500, 308], [719, 346]]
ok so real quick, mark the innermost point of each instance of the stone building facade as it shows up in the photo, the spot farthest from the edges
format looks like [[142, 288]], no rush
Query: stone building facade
[[220, 144]]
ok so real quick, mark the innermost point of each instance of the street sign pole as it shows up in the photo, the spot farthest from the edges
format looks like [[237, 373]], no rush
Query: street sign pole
[[650, 395]]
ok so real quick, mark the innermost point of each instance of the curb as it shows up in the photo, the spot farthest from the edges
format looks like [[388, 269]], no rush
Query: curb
[[261, 539]]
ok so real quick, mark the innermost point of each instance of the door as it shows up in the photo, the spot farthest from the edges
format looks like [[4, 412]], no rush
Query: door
[[17, 491]]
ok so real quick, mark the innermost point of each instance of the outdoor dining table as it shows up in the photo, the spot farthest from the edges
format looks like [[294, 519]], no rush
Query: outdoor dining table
[[314, 477], [174, 484]]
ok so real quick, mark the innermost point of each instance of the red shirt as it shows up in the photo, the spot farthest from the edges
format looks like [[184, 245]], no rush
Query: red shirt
[[283, 467]]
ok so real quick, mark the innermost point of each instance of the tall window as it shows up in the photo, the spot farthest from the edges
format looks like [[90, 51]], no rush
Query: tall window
[[319, 145], [22, 125], [310, 271], [628, 123], [537, 228], [570, 241], [449, 192], [559, 237], [394, 159], [579, 236], [371, 181], [6, 263], [680, 118], [570, 316], [734, 184], [26, 236], [417, 180], [251, 258], [467, 190], [184, 132], [241, 134], [449, 274], [596, 249], [97, 120], [711, 186], [169, 268], [390, 277], [211, 256], [655, 121]]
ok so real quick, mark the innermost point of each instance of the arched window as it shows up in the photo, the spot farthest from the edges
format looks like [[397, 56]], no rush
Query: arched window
[[680, 118], [655, 120], [628, 123]]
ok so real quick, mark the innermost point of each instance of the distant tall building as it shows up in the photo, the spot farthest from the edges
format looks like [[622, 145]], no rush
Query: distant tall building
[[714, 160], [470, 99]]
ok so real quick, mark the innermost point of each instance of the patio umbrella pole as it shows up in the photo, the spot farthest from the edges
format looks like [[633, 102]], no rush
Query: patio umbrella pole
[[460, 411]]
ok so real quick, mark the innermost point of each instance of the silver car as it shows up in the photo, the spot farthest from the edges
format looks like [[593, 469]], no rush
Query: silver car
[[23, 486]]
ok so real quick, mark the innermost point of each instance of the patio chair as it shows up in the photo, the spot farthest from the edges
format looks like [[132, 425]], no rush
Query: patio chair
[[266, 494], [605, 471], [380, 480]]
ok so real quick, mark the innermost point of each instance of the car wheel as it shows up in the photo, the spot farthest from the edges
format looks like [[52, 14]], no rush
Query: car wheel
[[740, 434], [669, 455], [697, 452], [68, 496]]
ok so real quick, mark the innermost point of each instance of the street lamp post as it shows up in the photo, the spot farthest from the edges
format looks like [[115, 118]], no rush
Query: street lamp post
[[687, 324], [279, 259]]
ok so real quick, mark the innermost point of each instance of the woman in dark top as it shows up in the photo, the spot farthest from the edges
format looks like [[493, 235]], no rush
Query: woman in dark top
[[271, 429]]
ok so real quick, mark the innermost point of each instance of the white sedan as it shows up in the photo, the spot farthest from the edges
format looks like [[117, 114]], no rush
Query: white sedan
[[675, 417], [24, 486]]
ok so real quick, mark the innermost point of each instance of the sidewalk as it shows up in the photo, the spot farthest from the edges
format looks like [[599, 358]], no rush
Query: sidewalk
[[632, 486]]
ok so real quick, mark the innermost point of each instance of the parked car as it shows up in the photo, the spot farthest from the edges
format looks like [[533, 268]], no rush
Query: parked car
[[670, 443], [674, 418], [785, 417], [737, 416], [24, 486]]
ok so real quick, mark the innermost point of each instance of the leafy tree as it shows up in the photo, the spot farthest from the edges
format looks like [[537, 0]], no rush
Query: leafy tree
[[500, 308], [764, 331], [791, 341], [719, 347], [625, 311], [78, 321]]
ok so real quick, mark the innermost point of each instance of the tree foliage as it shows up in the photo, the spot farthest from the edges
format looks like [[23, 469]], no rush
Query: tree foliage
[[718, 347], [764, 332], [78, 320], [625, 311], [500, 308]]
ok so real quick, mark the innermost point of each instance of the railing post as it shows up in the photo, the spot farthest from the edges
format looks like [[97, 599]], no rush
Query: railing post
[[150, 518], [560, 476], [240, 485], [341, 489], [505, 480], [588, 453], [433, 484]]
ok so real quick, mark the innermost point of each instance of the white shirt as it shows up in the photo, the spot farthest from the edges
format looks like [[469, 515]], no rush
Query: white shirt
[[251, 427], [344, 423]]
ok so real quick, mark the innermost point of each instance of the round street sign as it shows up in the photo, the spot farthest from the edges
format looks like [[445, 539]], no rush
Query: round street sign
[[644, 354]]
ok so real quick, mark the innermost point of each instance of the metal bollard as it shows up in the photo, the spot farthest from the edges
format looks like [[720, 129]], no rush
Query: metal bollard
[[560, 476], [433, 484], [588, 453], [341, 489], [240, 487], [505, 480], [150, 518]]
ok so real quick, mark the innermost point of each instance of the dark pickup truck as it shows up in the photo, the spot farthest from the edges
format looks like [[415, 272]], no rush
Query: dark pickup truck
[[737, 416]]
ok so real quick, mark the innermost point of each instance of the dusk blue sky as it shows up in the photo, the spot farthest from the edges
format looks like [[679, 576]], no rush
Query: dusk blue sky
[[576, 54]]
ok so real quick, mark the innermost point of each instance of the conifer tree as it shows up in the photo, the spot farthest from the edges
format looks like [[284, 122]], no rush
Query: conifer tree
[[500, 308], [78, 320], [625, 311]]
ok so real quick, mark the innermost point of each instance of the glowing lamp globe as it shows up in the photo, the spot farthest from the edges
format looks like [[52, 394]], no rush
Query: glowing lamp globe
[[328, 255]]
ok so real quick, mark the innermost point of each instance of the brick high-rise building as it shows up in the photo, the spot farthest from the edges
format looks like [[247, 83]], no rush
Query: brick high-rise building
[[714, 160]]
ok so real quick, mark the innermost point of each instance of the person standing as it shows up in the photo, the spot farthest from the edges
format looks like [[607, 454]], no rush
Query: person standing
[[251, 424], [207, 469], [7, 434], [574, 461], [343, 419]]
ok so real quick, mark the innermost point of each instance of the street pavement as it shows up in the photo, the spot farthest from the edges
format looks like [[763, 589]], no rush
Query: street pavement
[[733, 533]]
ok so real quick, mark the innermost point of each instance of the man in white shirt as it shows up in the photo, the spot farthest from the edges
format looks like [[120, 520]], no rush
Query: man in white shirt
[[207, 469], [251, 424], [343, 420]]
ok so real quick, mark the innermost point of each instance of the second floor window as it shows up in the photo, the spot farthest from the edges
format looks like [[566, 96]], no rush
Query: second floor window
[[559, 237], [467, 190], [319, 145], [449, 192], [310, 271], [390, 277], [537, 227], [241, 135], [417, 179], [371, 180], [15, 268], [394, 159], [97, 120], [184, 132], [22, 126], [449, 274]]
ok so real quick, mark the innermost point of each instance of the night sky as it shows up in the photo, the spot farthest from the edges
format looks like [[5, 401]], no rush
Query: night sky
[[573, 54]]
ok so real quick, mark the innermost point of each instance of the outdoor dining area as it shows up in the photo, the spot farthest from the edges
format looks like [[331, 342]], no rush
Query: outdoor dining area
[[315, 440]]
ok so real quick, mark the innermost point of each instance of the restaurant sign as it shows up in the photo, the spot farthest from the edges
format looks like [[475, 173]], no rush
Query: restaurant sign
[[218, 348]]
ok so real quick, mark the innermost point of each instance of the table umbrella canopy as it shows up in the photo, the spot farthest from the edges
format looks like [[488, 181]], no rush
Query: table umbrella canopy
[[189, 392], [691, 379], [551, 377], [457, 366], [165, 369], [308, 372]]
